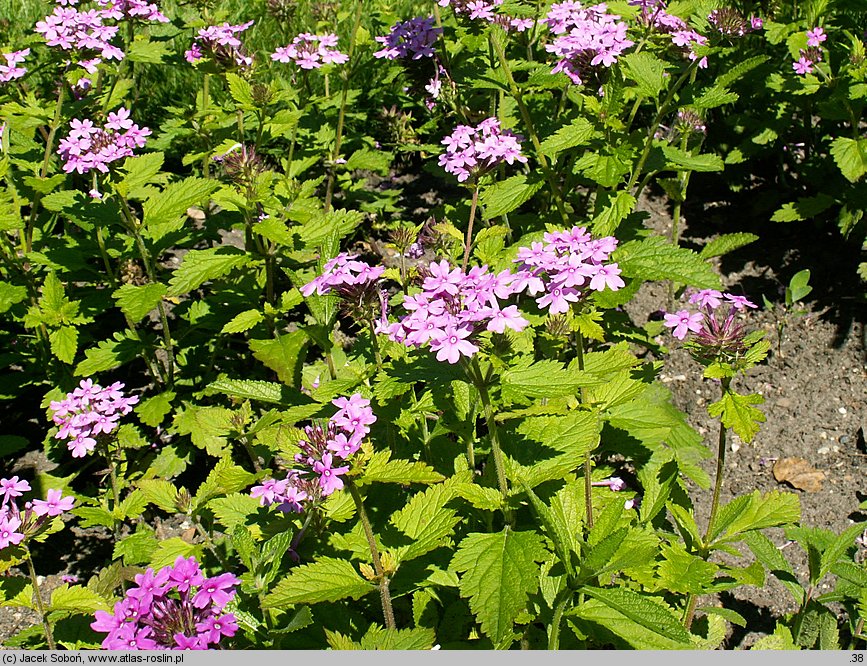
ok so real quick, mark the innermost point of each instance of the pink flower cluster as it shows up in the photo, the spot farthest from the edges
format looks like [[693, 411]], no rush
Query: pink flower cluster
[[711, 333], [176, 608], [413, 39], [453, 307], [311, 51], [87, 412], [220, 42], [321, 454], [472, 151], [653, 14], [120, 10], [17, 525], [486, 10], [343, 271], [84, 32], [565, 263], [88, 147], [589, 37], [812, 54], [11, 71]]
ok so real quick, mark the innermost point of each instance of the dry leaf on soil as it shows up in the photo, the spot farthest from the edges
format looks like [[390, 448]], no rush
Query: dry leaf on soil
[[799, 473]]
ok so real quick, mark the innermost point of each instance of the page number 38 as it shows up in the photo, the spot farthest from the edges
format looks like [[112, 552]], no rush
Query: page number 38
[[857, 658]]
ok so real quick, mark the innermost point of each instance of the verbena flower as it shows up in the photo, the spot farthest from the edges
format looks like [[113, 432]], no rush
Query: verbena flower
[[588, 37], [221, 44], [87, 146], [473, 151], [812, 54], [325, 455], [11, 70], [453, 308], [310, 51], [413, 39], [566, 266], [816, 36], [714, 332], [355, 282], [175, 608], [653, 15], [88, 412], [729, 23], [16, 524], [83, 33], [132, 10], [487, 10]]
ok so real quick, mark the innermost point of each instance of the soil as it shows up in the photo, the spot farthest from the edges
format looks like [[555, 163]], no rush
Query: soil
[[814, 381]]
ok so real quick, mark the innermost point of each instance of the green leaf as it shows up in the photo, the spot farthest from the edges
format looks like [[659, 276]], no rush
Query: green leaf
[[683, 160], [326, 579], [614, 212], [737, 412], [541, 379], [241, 91], [11, 295], [64, 343], [243, 321], [647, 71], [799, 287], [224, 479], [377, 638], [161, 493], [108, 355], [578, 133], [253, 389], [137, 548], [844, 541], [656, 259], [850, 156], [152, 411], [325, 225], [165, 212], [199, 266], [757, 511], [283, 354], [499, 573], [136, 301], [426, 521], [208, 427], [171, 549], [804, 208], [684, 572], [648, 612], [233, 510], [380, 468], [504, 196], [139, 171], [144, 50], [76, 599], [726, 243], [774, 560]]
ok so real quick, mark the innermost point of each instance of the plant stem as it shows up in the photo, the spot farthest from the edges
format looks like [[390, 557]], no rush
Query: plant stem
[[341, 115], [588, 467], [374, 341], [134, 227], [528, 121], [206, 85], [556, 621], [385, 596], [46, 623], [469, 241]]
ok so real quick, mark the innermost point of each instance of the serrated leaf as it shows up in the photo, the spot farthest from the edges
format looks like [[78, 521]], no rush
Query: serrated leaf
[[165, 212], [161, 493], [233, 510], [282, 354], [726, 243], [737, 412], [224, 479], [76, 599], [803, 209], [614, 212], [850, 155], [200, 266], [139, 171], [757, 511], [648, 612], [108, 355], [208, 427], [685, 161], [337, 223], [540, 379], [11, 295], [684, 572], [647, 71], [504, 196], [380, 468], [137, 548], [326, 579], [499, 572], [64, 343], [425, 520], [152, 411], [171, 549], [578, 133], [243, 321], [136, 301], [252, 389], [656, 259], [241, 91]]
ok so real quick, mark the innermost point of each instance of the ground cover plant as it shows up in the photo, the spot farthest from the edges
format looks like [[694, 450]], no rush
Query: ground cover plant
[[320, 314]]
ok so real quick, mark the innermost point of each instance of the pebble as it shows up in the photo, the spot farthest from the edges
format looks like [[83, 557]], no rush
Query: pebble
[[784, 402], [842, 410], [736, 448], [823, 435], [825, 450]]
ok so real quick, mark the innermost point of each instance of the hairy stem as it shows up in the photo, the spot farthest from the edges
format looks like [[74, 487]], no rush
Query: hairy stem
[[557, 620], [385, 595], [469, 241], [374, 342], [40, 606], [588, 463]]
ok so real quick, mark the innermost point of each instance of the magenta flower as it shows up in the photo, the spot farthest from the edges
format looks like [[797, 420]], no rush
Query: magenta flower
[[682, 322], [451, 343], [310, 51], [739, 302], [220, 43], [89, 147], [12, 488], [167, 611], [803, 66], [816, 36], [615, 483], [53, 505], [9, 534], [412, 39], [473, 151], [11, 71], [329, 477], [706, 298], [127, 10]]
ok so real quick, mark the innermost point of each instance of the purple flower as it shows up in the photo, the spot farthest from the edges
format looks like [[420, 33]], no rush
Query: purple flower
[[451, 343], [88, 147], [706, 298], [615, 483], [310, 51], [127, 10], [412, 39], [53, 505], [9, 534], [682, 322], [816, 36], [739, 302], [11, 71], [221, 44], [473, 151], [12, 488], [803, 66], [174, 608]]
